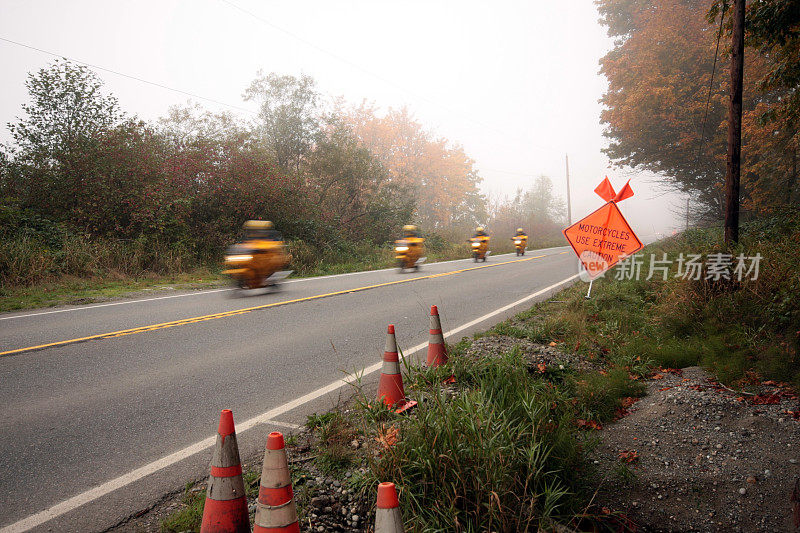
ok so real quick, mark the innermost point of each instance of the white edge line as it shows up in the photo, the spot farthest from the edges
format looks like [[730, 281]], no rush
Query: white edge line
[[211, 291], [126, 479]]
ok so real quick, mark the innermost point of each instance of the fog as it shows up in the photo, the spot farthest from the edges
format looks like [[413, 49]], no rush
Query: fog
[[516, 83]]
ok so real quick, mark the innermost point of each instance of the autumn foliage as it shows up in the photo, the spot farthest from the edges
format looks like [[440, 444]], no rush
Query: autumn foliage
[[330, 177], [664, 114]]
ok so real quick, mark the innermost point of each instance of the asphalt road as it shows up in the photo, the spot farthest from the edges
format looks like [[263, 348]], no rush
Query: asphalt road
[[97, 426]]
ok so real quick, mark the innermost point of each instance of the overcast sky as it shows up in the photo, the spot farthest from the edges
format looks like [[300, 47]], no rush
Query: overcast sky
[[516, 83]]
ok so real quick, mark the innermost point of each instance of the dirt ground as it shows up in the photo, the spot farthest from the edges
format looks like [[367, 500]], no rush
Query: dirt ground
[[703, 458]]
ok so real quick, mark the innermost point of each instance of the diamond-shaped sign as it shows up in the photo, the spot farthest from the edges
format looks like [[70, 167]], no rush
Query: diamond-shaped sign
[[601, 239]]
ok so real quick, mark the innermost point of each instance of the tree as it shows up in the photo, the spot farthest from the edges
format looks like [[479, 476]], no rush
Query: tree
[[443, 178], [655, 111], [351, 188], [537, 210], [67, 109], [288, 115], [773, 29]]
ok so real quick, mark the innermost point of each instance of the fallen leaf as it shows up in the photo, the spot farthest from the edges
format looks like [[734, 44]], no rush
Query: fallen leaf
[[765, 399], [552, 343], [628, 456], [541, 367], [589, 424], [388, 437], [628, 401], [664, 388], [657, 376]]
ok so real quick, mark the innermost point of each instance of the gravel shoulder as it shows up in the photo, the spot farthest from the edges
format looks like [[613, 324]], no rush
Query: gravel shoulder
[[691, 455], [706, 458]]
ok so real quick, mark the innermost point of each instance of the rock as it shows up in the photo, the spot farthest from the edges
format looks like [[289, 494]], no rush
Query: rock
[[793, 461], [319, 501], [742, 491]]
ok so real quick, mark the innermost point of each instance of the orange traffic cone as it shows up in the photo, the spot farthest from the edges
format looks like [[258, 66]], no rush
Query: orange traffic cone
[[225, 509], [437, 353], [387, 515], [390, 386], [276, 510]]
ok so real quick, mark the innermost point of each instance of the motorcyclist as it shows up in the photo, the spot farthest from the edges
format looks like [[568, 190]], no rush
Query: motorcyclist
[[480, 244], [410, 230], [480, 231], [520, 239], [259, 259], [409, 249], [256, 230]]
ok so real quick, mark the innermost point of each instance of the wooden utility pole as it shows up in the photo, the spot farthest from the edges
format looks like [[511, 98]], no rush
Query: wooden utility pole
[[734, 160], [569, 202]]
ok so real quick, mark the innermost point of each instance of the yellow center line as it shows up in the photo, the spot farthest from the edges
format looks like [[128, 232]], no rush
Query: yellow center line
[[185, 321]]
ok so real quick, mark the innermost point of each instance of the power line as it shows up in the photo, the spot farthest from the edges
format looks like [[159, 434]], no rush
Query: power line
[[129, 76], [711, 83], [367, 71]]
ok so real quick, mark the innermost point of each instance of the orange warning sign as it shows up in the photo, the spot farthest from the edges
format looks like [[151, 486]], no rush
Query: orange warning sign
[[601, 239]]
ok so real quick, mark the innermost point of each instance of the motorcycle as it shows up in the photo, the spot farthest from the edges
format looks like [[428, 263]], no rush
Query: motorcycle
[[520, 243], [408, 253], [480, 248], [259, 260]]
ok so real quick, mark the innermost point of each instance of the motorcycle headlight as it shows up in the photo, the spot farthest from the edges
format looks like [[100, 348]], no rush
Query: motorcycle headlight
[[475, 244], [238, 258], [517, 242], [401, 248]]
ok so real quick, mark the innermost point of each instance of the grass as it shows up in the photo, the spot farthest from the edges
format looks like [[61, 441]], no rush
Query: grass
[[502, 451], [736, 329], [72, 290], [189, 517], [505, 448], [190, 514], [94, 282]]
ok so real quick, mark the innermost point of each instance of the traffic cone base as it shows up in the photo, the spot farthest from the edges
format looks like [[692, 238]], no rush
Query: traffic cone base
[[276, 510], [407, 404], [225, 509]]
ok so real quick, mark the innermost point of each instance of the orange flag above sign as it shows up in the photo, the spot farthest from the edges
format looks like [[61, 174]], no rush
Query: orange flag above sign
[[604, 237], [605, 190]]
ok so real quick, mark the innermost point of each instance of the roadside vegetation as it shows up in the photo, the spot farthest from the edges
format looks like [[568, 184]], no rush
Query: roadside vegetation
[[506, 447], [92, 196]]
